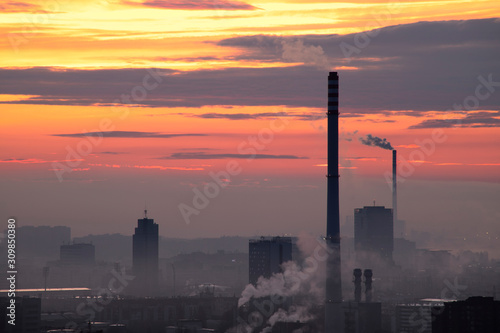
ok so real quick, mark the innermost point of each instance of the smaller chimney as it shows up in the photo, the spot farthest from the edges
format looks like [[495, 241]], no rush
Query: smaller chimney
[[368, 285], [396, 226], [357, 284]]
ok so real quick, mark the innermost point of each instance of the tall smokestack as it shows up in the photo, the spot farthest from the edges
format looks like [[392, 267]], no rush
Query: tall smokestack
[[333, 299], [395, 192], [368, 285], [357, 284]]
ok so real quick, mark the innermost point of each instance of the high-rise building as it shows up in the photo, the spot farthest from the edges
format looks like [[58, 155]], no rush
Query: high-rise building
[[373, 233], [266, 256], [77, 254], [145, 256]]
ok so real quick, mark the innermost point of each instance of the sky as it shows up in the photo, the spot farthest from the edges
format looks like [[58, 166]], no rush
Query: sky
[[111, 106]]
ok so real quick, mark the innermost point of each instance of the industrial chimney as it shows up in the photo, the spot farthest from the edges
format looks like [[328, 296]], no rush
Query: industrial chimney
[[357, 284], [396, 225], [333, 301], [368, 285]]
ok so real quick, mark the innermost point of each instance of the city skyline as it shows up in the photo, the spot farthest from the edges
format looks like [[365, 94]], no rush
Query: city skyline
[[202, 86]]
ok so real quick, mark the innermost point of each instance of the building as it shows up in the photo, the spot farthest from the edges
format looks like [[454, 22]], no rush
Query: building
[[27, 312], [475, 314], [373, 234], [266, 256], [77, 254], [145, 256]]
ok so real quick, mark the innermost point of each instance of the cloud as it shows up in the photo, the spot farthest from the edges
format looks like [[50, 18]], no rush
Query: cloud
[[195, 4], [379, 120], [262, 115], [34, 160], [110, 153], [425, 66], [127, 134], [20, 7], [360, 158], [158, 167], [474, 119], [205, 156]]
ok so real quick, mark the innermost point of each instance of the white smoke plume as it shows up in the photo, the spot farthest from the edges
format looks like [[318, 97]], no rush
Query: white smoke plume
[[294, 314], [304, 282]]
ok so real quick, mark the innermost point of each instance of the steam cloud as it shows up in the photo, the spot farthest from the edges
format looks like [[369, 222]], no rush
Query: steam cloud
[[375, 141], [305, 282]]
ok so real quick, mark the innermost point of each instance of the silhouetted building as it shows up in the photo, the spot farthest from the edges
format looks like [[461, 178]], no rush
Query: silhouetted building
[[77, 254], [145, 256], [266, 256], [373, 233], [26, 317], [475, 314]]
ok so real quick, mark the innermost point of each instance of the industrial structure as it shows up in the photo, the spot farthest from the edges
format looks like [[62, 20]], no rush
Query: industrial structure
[[358, 316], [395, 191], [145, 256], [333, 300]]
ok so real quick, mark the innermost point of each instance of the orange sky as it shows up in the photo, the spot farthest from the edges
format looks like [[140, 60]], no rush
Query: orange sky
[[115, 34]]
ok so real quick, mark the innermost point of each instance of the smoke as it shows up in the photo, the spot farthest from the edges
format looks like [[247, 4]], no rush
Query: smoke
[[375, 141], [294, 281], [296, 51], [294, 314], [303, 283]]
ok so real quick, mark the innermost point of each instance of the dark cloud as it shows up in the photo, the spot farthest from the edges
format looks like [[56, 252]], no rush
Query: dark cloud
[[361, 158], [127, 134], [478, 119], [262, 115], [380, 120], [111, 153], [205, 156], [426, 66], [197, 5]]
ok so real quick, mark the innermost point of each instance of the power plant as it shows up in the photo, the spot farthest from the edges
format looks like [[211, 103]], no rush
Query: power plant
[[333, 300]]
